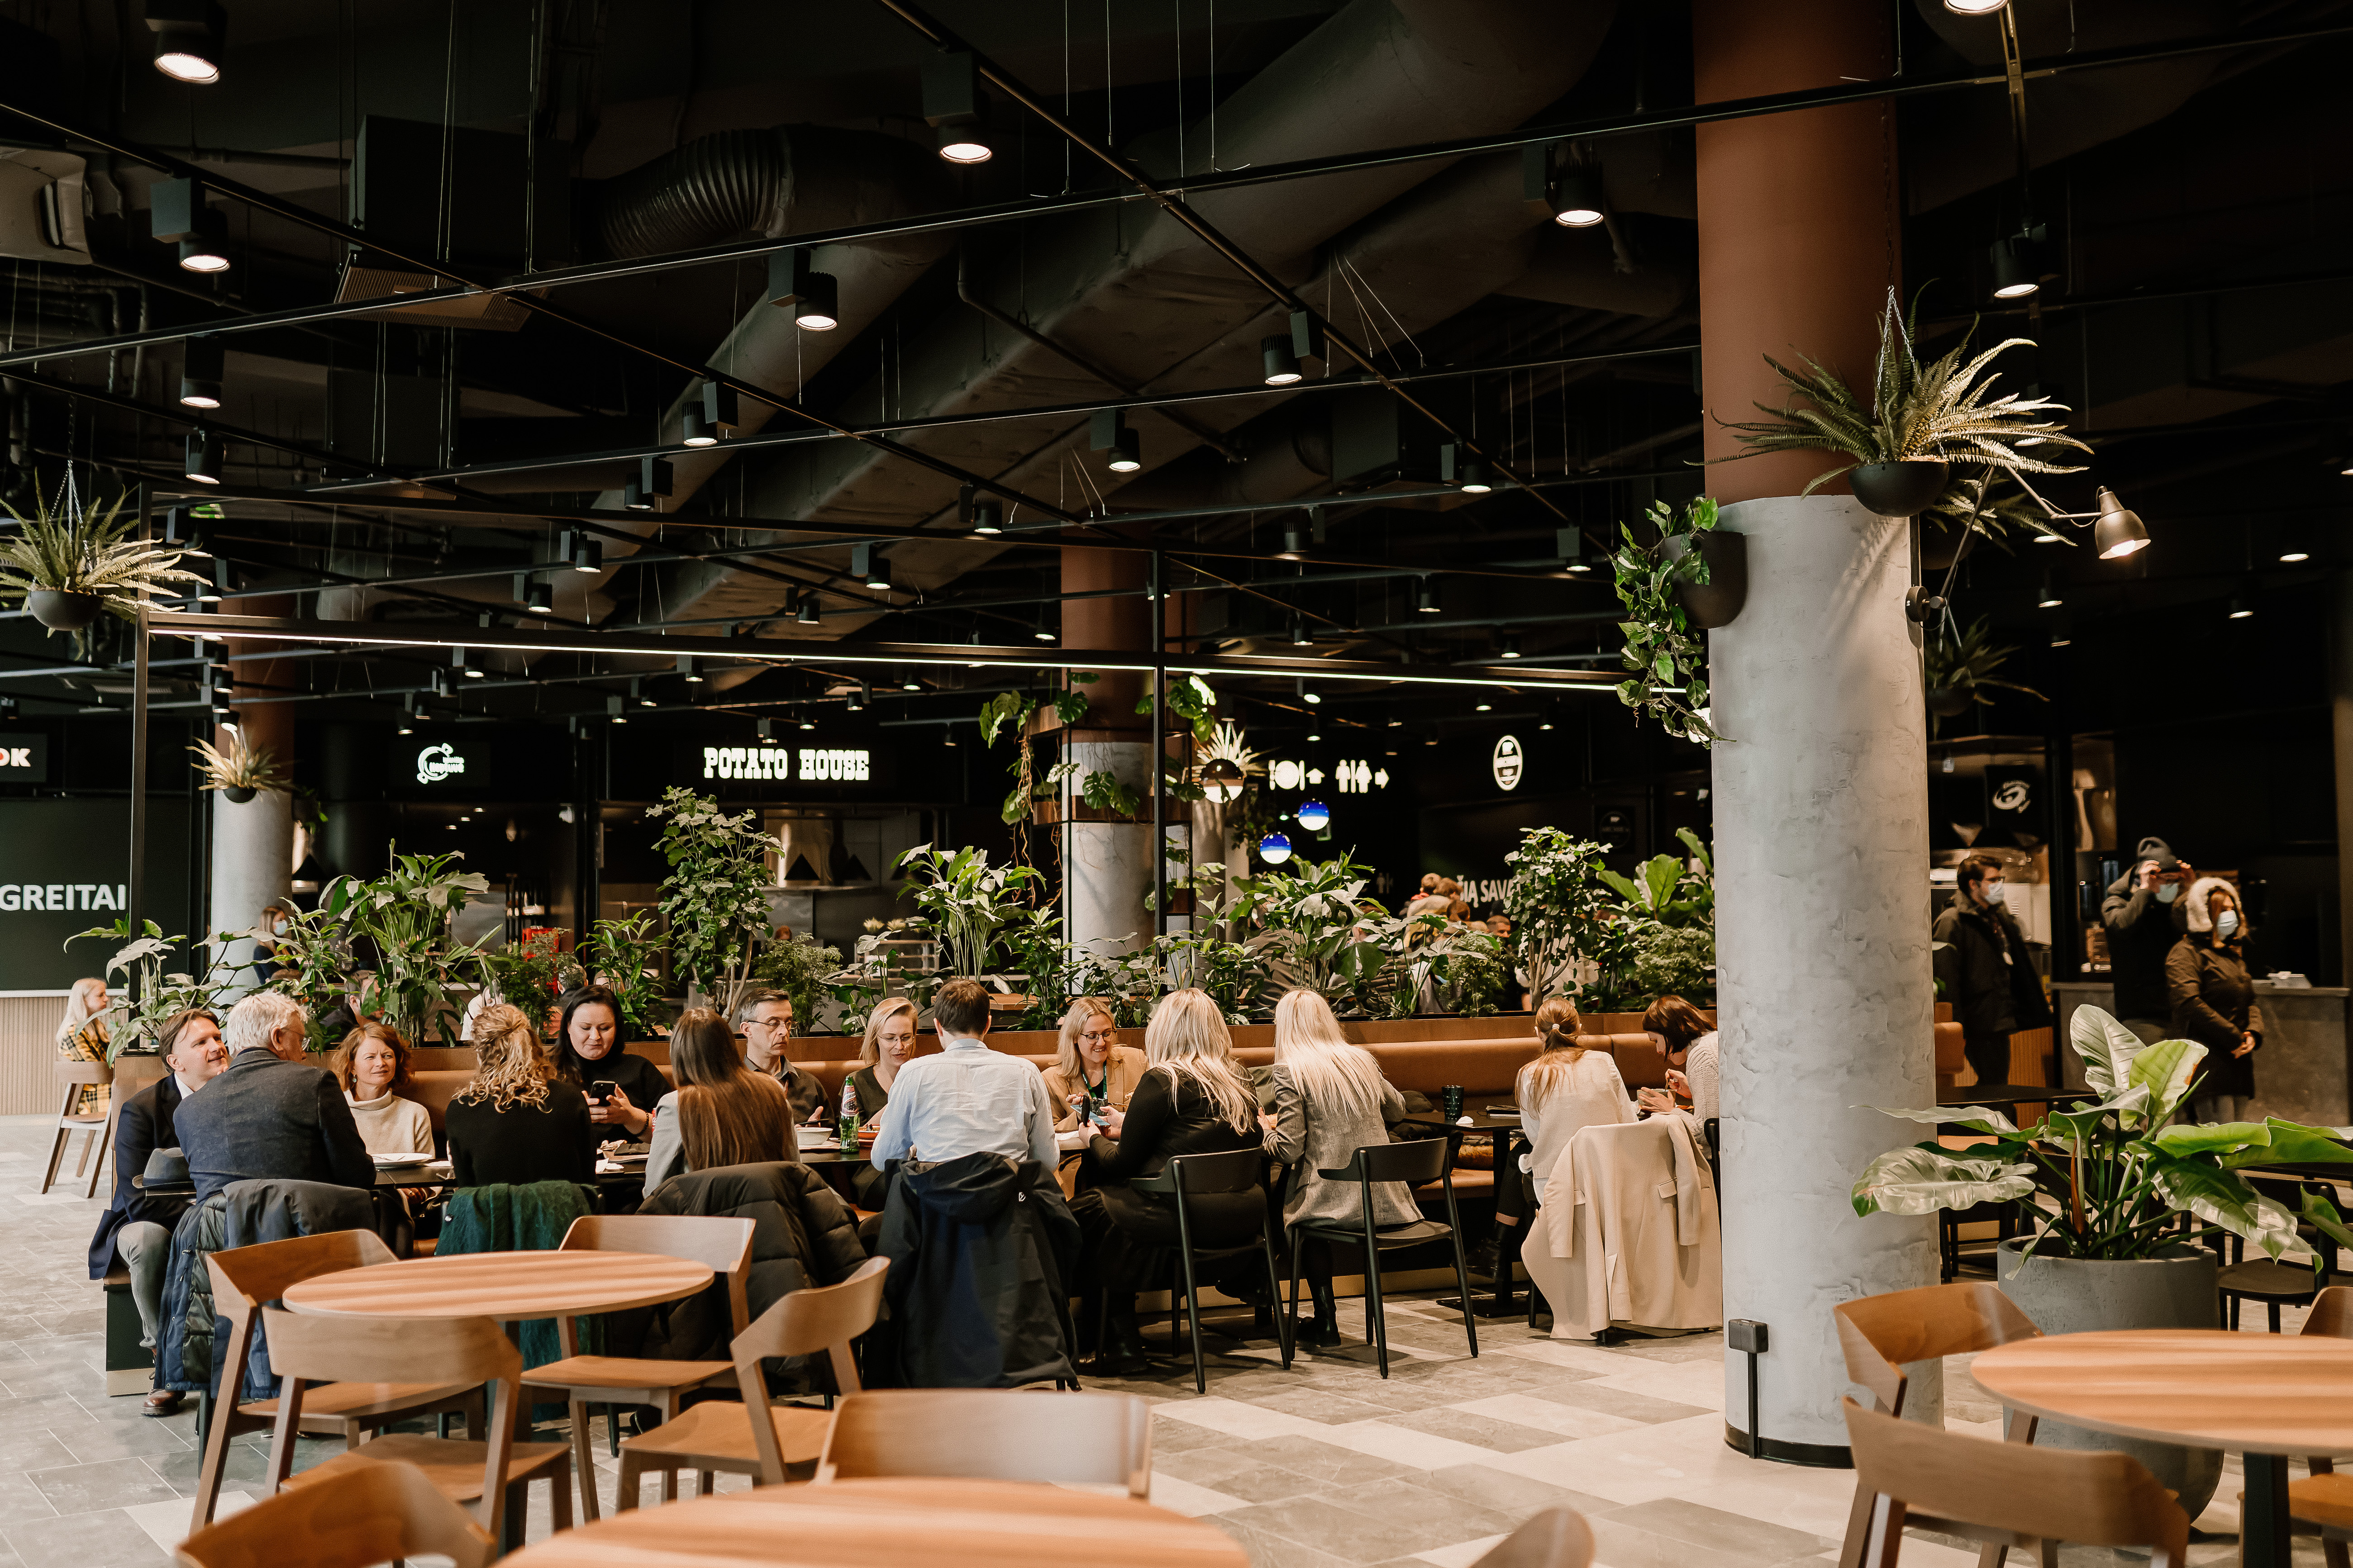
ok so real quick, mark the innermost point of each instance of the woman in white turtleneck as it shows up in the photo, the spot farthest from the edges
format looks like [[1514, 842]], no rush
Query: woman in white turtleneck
[[372, 1063]]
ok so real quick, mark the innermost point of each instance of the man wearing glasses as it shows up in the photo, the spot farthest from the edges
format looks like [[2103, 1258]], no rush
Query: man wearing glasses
[[765, 1018]]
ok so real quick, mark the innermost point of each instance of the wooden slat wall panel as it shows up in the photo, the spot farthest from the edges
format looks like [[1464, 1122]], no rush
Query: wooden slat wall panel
[[29, 1028]]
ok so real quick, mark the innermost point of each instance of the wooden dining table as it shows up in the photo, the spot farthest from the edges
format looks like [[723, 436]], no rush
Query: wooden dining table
[[869, 1523], [2267, 1397]]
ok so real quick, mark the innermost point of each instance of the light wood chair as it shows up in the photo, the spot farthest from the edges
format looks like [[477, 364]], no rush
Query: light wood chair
[[381, 1513], [1880, 1335], [717, 1435], [1557, 1538], [992, 1433], [77, 1076], [2325, 1499], [722, 1245], [245, 1278], [2001, 1494], [308, 1350]]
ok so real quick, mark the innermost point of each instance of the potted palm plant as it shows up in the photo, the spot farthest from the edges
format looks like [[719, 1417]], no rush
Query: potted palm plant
[[239, 770], [71, 564], [2116, 1199], [1919, 422]]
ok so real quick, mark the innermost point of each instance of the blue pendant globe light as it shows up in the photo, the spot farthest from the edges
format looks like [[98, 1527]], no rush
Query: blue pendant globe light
[[1274, 848], [1313, 815]]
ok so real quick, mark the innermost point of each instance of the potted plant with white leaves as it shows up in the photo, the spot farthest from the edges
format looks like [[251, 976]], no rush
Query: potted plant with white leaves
[[2118, 1197], [1918, 421], [72, 563]]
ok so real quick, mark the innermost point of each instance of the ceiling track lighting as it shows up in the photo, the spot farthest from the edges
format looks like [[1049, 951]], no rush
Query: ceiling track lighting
[[652, 484], [2017, 262], [1041, 631], [1975, 8], [909, 682], [2049, 598], [868, 566], [220, 586], [1425, 598], [1569, 193], [191, 36], [1568, 546], [1511, 648], [201, 373], [177, 215], [1463, 468], [809, 615], [694, 431], [586, 554], [1281, 360], [1294, 538], [2242, 607], [954, 107], [686, 669], [184, 532], [807, 723], [458, 662], [721, 409], [814, 296], [204, 464], [988, 518], [1108, 432], [539, 598]]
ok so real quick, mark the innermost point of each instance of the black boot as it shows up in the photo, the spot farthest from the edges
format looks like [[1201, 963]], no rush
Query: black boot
[[1090, 1317], [1324, 1333], [1486, 1257], [1123, 1346]]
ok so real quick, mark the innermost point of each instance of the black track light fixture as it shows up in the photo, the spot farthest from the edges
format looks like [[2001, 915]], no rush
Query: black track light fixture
[[191, 36], [177, 215], [1975, 8], [1281, 361], [586, 554], [809, 615], [1463, 468], [694, 430], [1569, 544], [2049, 597], [1425, 598], [1511, 648], [458, 662], [2017, 261], [201, 371], [2242, 607], [1041, 631], [767, 731], [540, 599], [688, 671], [867, 564], [988, 518], [721, 409], [652, 485], [204, 464], [1569, 193], [1299, 637], [1108, 432], [812, 297], [1294, 538], [219, 587], [184, 531], [954, 107]]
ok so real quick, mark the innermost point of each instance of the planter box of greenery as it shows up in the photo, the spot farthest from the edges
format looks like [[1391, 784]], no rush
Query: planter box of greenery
[[2119, 1200]]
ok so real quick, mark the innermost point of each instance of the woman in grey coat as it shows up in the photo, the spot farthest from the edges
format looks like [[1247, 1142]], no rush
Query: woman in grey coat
[[1330, 1100]]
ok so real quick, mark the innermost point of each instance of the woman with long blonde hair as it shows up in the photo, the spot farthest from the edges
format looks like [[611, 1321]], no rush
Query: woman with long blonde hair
[[83, 1035], [517, 1122], [1330, 1100], [1092, 1070], [721, 1113], [1192, 1100]]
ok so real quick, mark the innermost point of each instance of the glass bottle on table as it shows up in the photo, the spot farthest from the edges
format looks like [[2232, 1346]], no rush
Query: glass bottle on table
[[849, 1117]]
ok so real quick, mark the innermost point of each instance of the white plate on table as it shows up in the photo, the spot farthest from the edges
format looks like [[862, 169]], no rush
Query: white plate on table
[[400, 1162]]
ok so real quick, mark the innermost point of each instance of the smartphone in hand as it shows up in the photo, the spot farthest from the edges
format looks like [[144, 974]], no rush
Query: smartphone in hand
[[602, 1091]]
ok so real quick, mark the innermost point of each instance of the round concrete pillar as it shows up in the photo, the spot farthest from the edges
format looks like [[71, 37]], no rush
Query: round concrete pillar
[[1820, 782], [1107, 866], [253, 843]]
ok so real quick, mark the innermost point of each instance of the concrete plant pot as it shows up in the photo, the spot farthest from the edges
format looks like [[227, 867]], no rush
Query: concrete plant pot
[[2075, 1296], [64, 612], [1904, 489]]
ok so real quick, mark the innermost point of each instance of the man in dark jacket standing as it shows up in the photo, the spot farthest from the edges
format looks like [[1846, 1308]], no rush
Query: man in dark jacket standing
[[2143, 914], [270, 1114], [1987, 974]]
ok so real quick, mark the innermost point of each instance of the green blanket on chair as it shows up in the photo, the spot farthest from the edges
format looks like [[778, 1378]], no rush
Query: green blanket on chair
[[534, 1218]]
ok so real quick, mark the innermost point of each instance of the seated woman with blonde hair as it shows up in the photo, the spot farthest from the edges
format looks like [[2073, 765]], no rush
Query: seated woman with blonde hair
[[517, 1122], [1091, 1071], [1566, 1089], [721, 1112], [1330, 1100]]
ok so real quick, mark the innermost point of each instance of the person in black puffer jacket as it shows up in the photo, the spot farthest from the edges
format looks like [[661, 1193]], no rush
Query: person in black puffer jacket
[[242, 1214], [982, 1250], [803, 1234]]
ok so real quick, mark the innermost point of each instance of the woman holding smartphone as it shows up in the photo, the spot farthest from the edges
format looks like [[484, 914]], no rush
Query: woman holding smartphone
[[622, 1089]]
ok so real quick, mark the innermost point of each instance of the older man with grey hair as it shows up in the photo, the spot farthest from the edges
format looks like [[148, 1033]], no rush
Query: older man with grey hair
[[270, 1113]]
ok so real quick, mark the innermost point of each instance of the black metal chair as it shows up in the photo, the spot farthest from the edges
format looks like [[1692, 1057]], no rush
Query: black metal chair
[[2273, 1283], [1239, 1170], [1414, 1163]]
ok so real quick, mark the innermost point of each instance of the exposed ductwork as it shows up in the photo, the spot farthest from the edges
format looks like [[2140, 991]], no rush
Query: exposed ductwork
[[1142, 295]]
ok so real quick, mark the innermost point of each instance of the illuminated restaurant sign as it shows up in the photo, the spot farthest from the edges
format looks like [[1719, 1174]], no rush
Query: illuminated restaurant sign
[[817, 764]]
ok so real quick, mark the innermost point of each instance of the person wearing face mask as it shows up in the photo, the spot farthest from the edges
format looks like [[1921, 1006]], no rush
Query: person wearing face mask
[[2213, 1001], [1987, 974], [2144, 917]]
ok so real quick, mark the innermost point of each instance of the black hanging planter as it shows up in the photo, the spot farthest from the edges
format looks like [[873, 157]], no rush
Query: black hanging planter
[[1950, 701], [1716, 602], [61, 611], [239, 793], [1904, 488]]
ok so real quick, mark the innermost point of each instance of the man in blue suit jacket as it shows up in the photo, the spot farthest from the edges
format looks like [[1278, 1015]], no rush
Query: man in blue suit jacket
[[136, 1224], [271, 1114]]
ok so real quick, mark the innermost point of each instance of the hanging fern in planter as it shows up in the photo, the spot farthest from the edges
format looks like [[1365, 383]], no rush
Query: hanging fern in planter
[[72, 563], [239, 770]]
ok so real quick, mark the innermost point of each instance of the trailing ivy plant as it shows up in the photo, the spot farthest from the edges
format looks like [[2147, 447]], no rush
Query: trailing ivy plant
[[1013, 709], [625, 957], [1667, 655], [716, 895]]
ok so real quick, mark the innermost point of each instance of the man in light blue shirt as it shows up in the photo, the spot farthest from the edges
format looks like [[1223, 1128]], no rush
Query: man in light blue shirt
[[968, 1099]]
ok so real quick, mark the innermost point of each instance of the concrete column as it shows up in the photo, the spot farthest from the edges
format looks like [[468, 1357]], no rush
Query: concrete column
[[253, 843], [2340, 708], [1107, 866], [1822, 781]]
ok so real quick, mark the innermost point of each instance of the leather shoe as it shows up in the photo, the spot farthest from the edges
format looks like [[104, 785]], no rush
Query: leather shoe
[[1123, 1348], [162, 1402]]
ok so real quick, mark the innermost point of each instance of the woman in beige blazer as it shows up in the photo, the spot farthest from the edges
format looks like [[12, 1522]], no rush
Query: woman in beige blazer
[[1091, 1069]]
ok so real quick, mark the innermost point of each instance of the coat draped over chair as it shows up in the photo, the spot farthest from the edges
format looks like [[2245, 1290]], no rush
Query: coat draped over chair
[[982, 1250], [1627, 1231]]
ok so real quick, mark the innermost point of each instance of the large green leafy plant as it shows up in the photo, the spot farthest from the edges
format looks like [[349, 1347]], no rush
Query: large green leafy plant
[[1012, 710], [1313, 927], [716, 895], [625, 956], [1667, 655], [2109, 1178], [799, 968], [133, 1025], [1560, 909], [966, 899], [407, 915]]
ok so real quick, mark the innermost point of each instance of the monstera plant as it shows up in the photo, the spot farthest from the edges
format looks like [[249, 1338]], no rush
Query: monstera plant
[[2108, 1177]]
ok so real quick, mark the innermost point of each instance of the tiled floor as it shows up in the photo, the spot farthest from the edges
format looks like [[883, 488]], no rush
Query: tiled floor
[[1326, 1466]]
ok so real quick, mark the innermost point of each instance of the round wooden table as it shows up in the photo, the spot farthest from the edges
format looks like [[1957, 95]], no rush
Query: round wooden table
[[2265, 1397], [854, 1524], [509, 1286]]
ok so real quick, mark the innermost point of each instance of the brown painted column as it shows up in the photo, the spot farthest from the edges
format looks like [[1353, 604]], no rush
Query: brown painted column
[[1820, 779], [1107, 866]]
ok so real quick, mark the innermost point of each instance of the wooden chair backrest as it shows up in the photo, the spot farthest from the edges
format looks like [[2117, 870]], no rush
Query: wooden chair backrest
[[1881, 1334], [305, 1350], [1557, 1538], [71, 1070], [2091, 1499], [721, 1244], [991, 1434], [819, 1318], [378, 1513], [2332, 1312], [246, 1277]]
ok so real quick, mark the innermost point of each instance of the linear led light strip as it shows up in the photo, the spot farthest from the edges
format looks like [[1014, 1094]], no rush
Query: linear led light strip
[[761, 651]]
